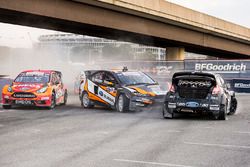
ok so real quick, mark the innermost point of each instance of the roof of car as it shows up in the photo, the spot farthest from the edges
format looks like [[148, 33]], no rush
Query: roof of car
[[112, 71], [44, 71]]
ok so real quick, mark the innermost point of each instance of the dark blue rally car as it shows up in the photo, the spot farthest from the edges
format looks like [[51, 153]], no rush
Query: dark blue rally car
[[197, 92]]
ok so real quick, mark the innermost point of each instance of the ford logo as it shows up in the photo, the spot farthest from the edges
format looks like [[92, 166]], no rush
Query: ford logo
[[100, 93], [192, 104]]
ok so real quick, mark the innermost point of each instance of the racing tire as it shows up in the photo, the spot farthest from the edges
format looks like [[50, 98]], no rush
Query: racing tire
[[166, 114], [85, 101], [53, 101], [65, 98], [122, 104], [222, 113], [6, 106], [233, 106]]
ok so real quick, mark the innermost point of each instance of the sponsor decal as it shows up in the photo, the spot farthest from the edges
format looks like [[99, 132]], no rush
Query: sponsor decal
[[181, 104], [44, 98], [192, 104], [171, 105], [100, 93], [6, 97], [27, 85], [222, 68], [214, 107], [109, 99], [204, 105], [23, 102], [24, 88], [162, 70], [194, 83], [36, 73], [242, 85], [24, 95]]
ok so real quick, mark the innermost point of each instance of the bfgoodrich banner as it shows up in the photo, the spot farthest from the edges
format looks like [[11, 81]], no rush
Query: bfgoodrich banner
[[241, 85], [227, 68]]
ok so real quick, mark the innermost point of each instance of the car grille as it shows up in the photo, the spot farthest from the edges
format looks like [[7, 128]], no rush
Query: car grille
[[193, 93], [23, 95]]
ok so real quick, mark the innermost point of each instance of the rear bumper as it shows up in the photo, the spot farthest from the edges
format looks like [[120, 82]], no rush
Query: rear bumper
[[192, 106]]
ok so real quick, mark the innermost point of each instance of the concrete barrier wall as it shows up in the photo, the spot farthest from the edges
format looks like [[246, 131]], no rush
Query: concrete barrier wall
[[235, 72]]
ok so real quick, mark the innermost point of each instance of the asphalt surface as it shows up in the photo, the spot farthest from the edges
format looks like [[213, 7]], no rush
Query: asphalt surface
[[76, 137]]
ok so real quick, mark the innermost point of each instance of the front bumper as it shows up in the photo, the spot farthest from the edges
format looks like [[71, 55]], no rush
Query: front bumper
[[42, 100], [139, 101]]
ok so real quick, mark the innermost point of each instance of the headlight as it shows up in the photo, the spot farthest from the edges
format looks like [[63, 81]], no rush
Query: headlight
[[10, 89], [42, 90]]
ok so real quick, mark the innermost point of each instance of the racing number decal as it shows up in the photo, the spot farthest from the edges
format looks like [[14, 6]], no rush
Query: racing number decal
[[101, 93]]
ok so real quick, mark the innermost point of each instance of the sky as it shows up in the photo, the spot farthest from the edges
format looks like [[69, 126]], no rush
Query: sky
[[236, 11], [20, 36]]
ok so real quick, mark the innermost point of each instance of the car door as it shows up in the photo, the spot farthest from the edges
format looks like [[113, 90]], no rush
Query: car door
[[101, 85], [58, 87], [110, 84]]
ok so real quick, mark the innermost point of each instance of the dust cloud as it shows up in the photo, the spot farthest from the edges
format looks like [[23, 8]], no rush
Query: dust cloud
[[71, 59]]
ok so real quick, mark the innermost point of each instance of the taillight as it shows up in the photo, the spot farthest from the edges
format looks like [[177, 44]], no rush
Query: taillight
[[216, 90], [172, 89]]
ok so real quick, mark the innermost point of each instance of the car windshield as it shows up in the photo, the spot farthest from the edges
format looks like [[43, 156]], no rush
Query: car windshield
[[33, 77], [135, 78]]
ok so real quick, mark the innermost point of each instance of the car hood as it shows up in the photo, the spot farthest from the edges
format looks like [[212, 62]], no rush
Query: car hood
[[27, 87], [151, 90]]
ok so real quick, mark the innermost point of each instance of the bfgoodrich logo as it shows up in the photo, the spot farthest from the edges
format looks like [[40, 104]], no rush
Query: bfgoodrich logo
[[242, 85], [230, 68]]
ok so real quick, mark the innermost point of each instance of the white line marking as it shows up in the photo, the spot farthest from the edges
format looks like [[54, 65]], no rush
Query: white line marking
[[173, 131], [242, 132], [207, 127], [3, 110], [151, 163], [217, 145]]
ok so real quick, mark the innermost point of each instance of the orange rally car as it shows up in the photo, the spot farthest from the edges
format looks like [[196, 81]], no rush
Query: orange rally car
[[43, 88]]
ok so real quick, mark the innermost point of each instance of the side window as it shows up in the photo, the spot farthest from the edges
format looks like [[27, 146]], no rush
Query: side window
[[109, 79], [98, 77], [59, 79], [55, 79]]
